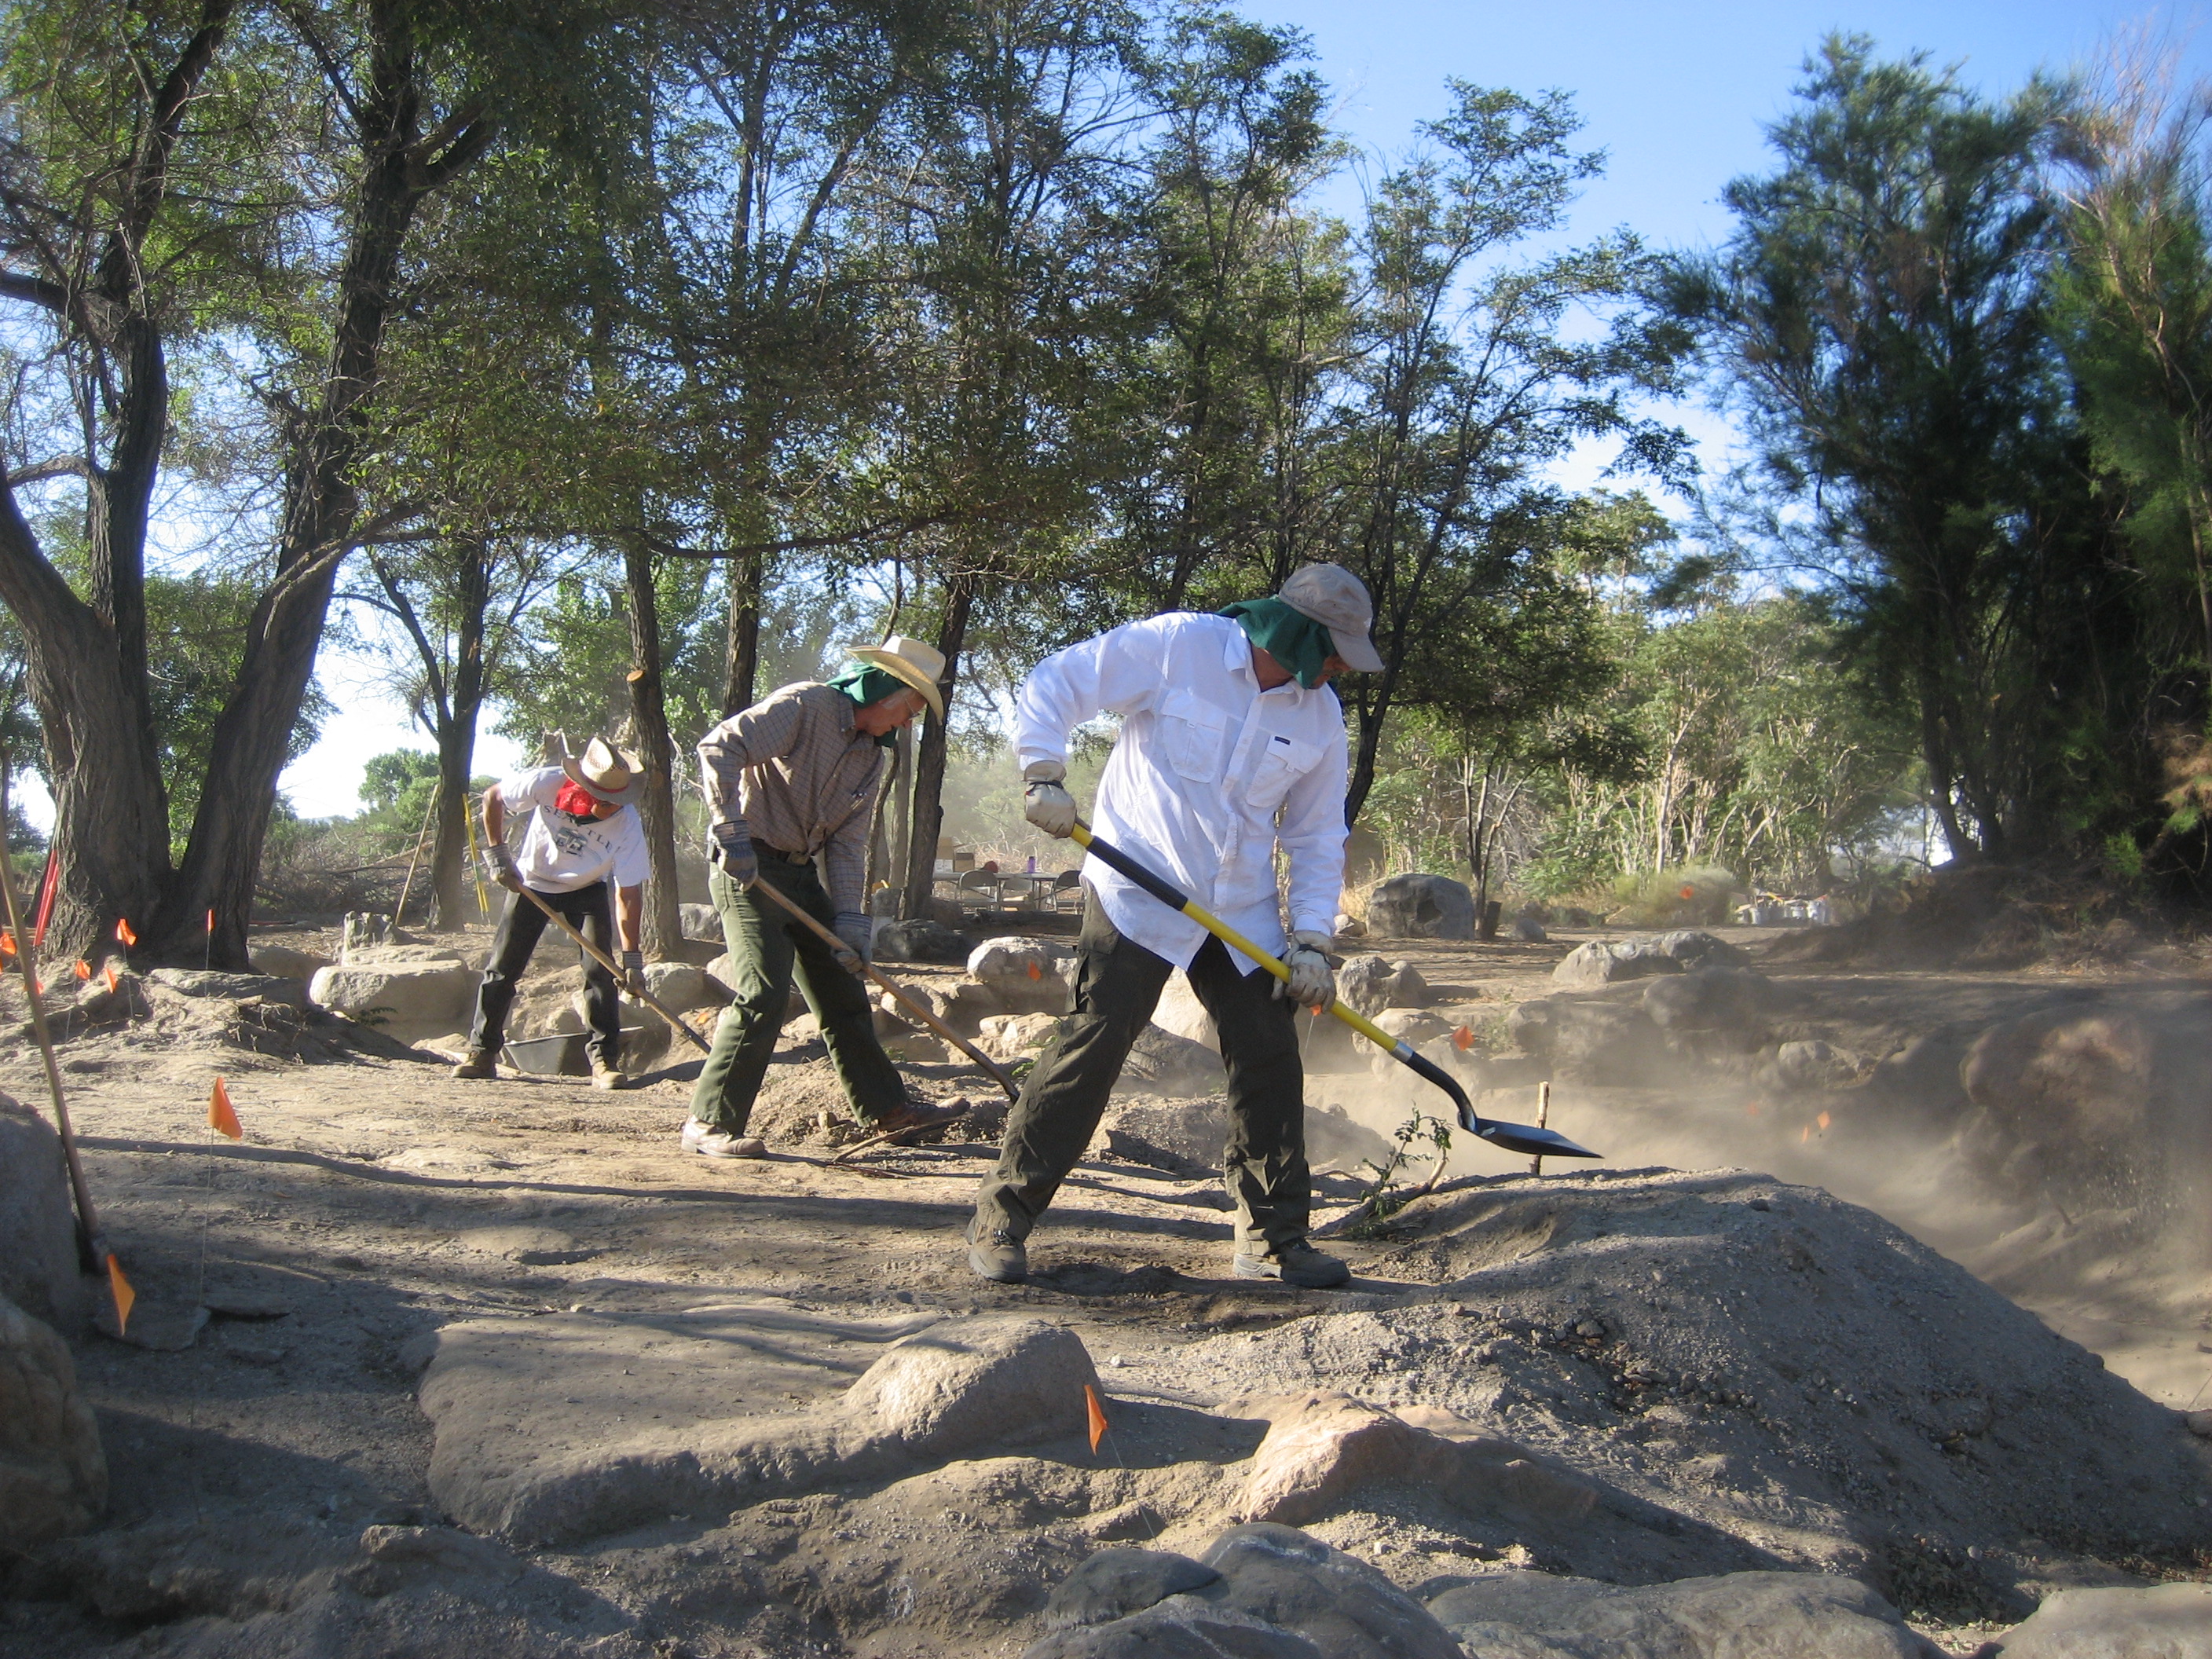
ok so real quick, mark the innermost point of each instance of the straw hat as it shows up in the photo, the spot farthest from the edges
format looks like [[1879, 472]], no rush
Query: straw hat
[[919, 665], [612, 775]]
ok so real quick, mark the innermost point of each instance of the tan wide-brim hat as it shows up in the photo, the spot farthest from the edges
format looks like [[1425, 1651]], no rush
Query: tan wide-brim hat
[[613, 775], [919, 665]]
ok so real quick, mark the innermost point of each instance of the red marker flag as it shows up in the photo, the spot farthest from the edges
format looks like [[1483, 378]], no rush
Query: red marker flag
[[210, 921], [221, 1118], [124, 936], [1035, 972], [1096, 1413], [83, 969], [48, 889], [7, 943], [119, 1288], [107, 973]]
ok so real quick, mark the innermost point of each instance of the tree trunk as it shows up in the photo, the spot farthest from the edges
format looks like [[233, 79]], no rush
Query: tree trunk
[[454, 901], [741, 663], [252, 736], [112, 820], [648, 712], [929, 758]]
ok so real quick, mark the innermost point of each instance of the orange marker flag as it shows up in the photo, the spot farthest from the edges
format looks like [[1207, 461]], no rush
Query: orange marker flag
[[210, 921], [7, 943], [221, 1118], [1689, 892], [1036, 972], [1098, 1415], [119, 1288], [83, 969], [1823, 1120], [107, 973], [122, 934], [1462, 1039]]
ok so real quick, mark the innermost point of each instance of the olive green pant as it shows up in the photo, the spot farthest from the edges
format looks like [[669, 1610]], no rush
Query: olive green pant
[[1118, 984], [765, 945]]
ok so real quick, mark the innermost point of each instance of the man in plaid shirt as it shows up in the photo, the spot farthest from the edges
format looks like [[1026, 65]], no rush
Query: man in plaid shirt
[[790, 781]]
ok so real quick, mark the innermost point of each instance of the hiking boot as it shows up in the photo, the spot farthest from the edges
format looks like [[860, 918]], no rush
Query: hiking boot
[[719, 1143], [604, 1076], [999, 1257], [916, 1115], [477, 1062], [1295, 1264]]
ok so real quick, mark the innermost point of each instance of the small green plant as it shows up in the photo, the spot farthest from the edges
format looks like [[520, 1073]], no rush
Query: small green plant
[[1385, 1197]]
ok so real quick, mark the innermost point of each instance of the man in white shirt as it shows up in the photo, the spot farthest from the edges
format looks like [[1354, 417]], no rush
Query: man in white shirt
[[1231, 744], [584, 833]]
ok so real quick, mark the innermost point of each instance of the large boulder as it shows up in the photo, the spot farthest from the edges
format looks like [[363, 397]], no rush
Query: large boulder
[[1732, 1002], [946, 1392], [1420, 907], [922, 940], [233, 987], [1259, 1592], [1161, 1063], [1609, 960], [683, 987], [1807, 1614], [1180, 1013], [1368, 985], [1017, 1036], [53, 1476], [1605, 1042], [2164, 1622], [701, 922], [283, 961], [436, 993], [1323, 1449], [1028, 976], [37, 1228]]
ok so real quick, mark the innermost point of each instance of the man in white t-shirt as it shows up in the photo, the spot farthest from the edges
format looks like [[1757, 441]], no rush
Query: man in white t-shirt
[[584, 835]]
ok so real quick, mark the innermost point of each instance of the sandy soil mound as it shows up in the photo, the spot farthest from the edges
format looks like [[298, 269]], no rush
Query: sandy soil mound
[[1997, 916], [1765, 1361]]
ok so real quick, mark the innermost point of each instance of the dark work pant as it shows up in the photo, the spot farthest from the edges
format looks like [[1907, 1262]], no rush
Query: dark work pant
[[1118, 984], [519, 925], [766, 945]]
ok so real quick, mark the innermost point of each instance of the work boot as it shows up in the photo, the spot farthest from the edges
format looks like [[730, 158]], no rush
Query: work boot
[[604, 1076], [999, 1256], [477, 1062], [1295, 1264], [710, 1142], [916, 1115]]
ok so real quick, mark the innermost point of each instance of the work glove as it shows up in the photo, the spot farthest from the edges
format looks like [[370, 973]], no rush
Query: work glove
[[733, 849], [1045, 802], [633, 965], [859, 933], [1312, 983], [500, 867]]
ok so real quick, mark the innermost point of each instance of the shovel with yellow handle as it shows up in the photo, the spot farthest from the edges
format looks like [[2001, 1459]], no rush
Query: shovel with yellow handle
[[1513, 1137]]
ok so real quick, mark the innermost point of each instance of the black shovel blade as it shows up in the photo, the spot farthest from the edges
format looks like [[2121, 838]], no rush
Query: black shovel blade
[[1526, 1138]]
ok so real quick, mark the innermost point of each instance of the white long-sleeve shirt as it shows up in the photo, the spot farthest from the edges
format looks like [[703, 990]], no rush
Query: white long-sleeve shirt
[[1205, 762]]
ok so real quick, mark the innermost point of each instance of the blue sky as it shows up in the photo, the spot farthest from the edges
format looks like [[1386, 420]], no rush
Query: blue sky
[[1677, 95]]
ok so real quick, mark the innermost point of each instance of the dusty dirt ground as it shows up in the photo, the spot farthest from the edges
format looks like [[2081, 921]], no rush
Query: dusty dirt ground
[[374, 1202]]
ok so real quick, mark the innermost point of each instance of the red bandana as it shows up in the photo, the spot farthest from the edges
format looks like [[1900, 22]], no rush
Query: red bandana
[[575, 800]]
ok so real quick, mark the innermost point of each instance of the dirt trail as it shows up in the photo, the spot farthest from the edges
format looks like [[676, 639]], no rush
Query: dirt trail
[[375, 1203]]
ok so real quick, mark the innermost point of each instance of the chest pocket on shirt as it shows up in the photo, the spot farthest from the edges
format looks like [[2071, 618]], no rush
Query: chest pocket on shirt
[[1191, 730], [1282, 762]]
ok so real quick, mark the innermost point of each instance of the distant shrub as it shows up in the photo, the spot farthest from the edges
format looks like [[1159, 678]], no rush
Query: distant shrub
[[1688, 896]]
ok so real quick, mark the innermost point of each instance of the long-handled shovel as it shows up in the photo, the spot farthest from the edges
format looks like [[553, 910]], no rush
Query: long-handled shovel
[[93, 1253], [904, 1001], [1513, 1137], [609, 963]]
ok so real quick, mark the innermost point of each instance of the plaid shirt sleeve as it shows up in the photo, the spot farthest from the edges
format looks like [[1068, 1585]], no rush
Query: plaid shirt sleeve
[[767, 730]]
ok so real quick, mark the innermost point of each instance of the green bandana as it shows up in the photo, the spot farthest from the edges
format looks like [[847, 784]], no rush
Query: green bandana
[[1292, 638], [866, 684]]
